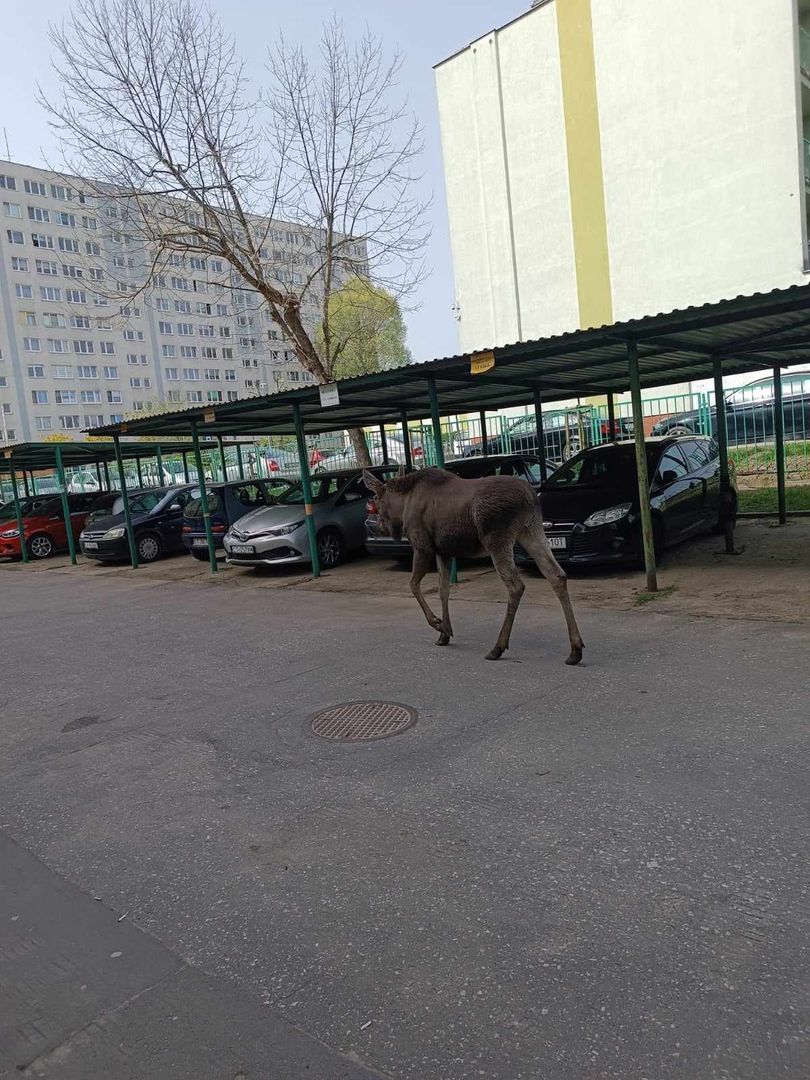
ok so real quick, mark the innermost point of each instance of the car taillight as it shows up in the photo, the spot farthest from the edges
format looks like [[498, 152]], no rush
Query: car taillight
[[417, 451], [187, 528], [371, 506], [218, 527]]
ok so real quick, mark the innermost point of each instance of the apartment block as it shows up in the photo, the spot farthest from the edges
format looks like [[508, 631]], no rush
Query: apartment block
[[72, 358]]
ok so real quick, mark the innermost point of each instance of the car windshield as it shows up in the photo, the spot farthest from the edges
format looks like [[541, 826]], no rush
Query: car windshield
[[37, 505], [142, 503], [609, 466]]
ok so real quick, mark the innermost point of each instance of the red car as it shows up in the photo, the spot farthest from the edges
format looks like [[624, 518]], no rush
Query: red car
[[43, 523]]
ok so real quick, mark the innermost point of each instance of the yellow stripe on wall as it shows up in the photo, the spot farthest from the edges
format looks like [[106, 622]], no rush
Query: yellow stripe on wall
[[586, 186]]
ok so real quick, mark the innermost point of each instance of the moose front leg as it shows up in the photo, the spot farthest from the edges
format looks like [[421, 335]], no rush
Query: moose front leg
[[421, 565], [444, 593]]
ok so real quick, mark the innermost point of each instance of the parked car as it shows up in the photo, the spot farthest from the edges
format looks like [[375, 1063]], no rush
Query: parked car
[[226, 504], [44, 524], [750, 412], [591, 504], [277, 535], [560, 440], [527, 468], [157, 520]]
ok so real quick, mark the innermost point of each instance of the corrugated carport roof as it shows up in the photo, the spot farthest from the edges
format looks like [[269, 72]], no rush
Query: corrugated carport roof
[[749, 333], [41, 455]]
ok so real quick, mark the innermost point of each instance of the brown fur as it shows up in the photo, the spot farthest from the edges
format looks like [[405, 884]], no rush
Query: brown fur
[[446, 517]]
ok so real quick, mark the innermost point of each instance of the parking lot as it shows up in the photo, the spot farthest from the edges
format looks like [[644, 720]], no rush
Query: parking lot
[[589, 872]]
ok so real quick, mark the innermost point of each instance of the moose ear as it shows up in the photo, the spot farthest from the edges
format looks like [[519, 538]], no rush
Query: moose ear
[[402, 472], [373, 483]]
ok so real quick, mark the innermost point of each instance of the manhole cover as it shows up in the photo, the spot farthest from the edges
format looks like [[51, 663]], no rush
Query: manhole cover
[[356, 720]]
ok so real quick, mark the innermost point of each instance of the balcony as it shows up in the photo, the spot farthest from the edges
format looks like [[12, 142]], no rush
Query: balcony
[[804, 53]]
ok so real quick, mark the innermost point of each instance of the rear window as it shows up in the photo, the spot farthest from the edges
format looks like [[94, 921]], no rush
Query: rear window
[[194, 506]]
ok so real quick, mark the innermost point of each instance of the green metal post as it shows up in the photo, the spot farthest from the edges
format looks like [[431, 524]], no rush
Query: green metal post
[[482, 417], [25, 484], [222, 459], [722, 443], [406, 440], [301, 443], [138, 470], [647, 534], [185, 466], [107, 476], [18, 515], [122, 480], [98, 474], [60, 472], [611, 404], [209, 535], [439, 448], [779, 437], [240, 462], [159, 460], [541, 439], [383, 444]]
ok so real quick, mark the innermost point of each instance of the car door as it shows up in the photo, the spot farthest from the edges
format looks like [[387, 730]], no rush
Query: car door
[[171, 521], [350, 513], [677, 495], [705, 467]]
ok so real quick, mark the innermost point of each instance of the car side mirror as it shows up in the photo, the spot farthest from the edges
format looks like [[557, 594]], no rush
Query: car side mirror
[[669, 476], [175, 507]]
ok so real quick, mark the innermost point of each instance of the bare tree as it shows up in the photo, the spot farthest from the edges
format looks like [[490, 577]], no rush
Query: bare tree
[[157, 109]]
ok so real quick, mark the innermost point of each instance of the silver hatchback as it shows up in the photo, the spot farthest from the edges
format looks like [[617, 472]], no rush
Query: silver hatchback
[[277, 535]]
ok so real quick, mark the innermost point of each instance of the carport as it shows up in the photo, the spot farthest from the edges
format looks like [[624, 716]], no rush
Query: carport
[[20, 461], [747, 334]]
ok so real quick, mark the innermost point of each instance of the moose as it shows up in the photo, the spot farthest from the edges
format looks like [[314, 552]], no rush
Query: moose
[[445, 516]]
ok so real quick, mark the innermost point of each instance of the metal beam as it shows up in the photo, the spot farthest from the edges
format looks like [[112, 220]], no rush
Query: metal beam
[[406, 439], [60, 473], [611, 406], [439, 450], [303, 461], [541, 437], [222, 459], [18, 514], [779, 440], [722, 443], [206, 513], [647, 534], [482, 417], [383, 444], [239, 461], [122, 480]]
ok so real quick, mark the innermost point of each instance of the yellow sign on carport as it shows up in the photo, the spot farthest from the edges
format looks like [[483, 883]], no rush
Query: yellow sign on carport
[[481, 362]]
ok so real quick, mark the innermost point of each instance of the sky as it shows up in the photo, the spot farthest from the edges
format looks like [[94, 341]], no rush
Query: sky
[[424, 31]]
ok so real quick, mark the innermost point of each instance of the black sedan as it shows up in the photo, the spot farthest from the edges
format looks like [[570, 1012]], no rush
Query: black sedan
[[527, 468], [591, 504], [157, 520]]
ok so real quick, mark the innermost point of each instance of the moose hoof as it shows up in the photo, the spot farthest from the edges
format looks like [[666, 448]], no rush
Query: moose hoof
[[443, 639], [575, 657], [494, 654]]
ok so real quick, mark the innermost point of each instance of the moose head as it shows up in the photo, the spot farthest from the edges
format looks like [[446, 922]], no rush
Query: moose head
[[390, 502]]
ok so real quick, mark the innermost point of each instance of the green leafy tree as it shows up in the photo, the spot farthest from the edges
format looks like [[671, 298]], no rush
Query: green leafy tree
[[367, 329]]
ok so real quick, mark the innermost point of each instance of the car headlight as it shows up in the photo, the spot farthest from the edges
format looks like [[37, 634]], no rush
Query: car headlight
[[9, 533], [114, 534], [284, 530], [611, 514]]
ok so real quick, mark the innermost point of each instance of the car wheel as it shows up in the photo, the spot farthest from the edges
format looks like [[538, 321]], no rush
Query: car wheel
[[331, 549], [680, 429], [148, 547], [40, 546]]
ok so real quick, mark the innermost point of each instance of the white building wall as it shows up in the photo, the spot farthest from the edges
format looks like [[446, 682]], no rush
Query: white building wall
[[701, 162], [703, 192]]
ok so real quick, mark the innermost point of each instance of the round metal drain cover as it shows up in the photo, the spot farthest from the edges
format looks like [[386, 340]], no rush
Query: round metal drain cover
[[355, 721]]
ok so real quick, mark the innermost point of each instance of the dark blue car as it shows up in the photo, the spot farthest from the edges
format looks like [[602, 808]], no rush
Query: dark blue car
[[226, 504]]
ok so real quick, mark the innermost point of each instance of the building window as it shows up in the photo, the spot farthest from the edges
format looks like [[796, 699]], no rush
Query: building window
[[8, 182], [89, 223], [116, 418], [230, 375], [171, 374], [62, 371], [76, 296], [15, 236], [53, 318], [40, 240], [224, 331], [227, 354], [209, 353], [24, 292], [38, 213], [206, 330], [169, 351], [34, 187], [31, 344], [69, 423], [212, 374], [66, 244], [162, 304], [69, 270], [174, 395], [191, 374], [114, 397], [58, 345], [110, 371], [12, 209], [213, 395], [36, 371], [87, 371], [60, 192], [50, 292], [64, 218], [19, 262], [194, 395], [233, 395], [39, 397], [81, 345], [90, 397], [43, 423], [95, 274], [185, 328], [165, 327], [203, 309], [65, 397], [44, 266], [93, 420]]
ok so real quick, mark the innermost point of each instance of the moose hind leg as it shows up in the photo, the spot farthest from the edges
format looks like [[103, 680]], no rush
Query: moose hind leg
[[421, 565], [504, 563], [535, 542], [444, 592]]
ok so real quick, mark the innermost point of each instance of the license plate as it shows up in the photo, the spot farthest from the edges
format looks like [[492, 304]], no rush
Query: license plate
[[559, 543], [90, 545], [243, 549], [200, 541]]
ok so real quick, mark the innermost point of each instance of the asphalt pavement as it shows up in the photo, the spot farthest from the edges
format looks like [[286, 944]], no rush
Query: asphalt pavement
[[557, 872]]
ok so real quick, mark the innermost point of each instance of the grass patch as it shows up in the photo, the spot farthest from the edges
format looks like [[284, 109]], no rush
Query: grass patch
[[763, 500], [648, 597], [756, 458]]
